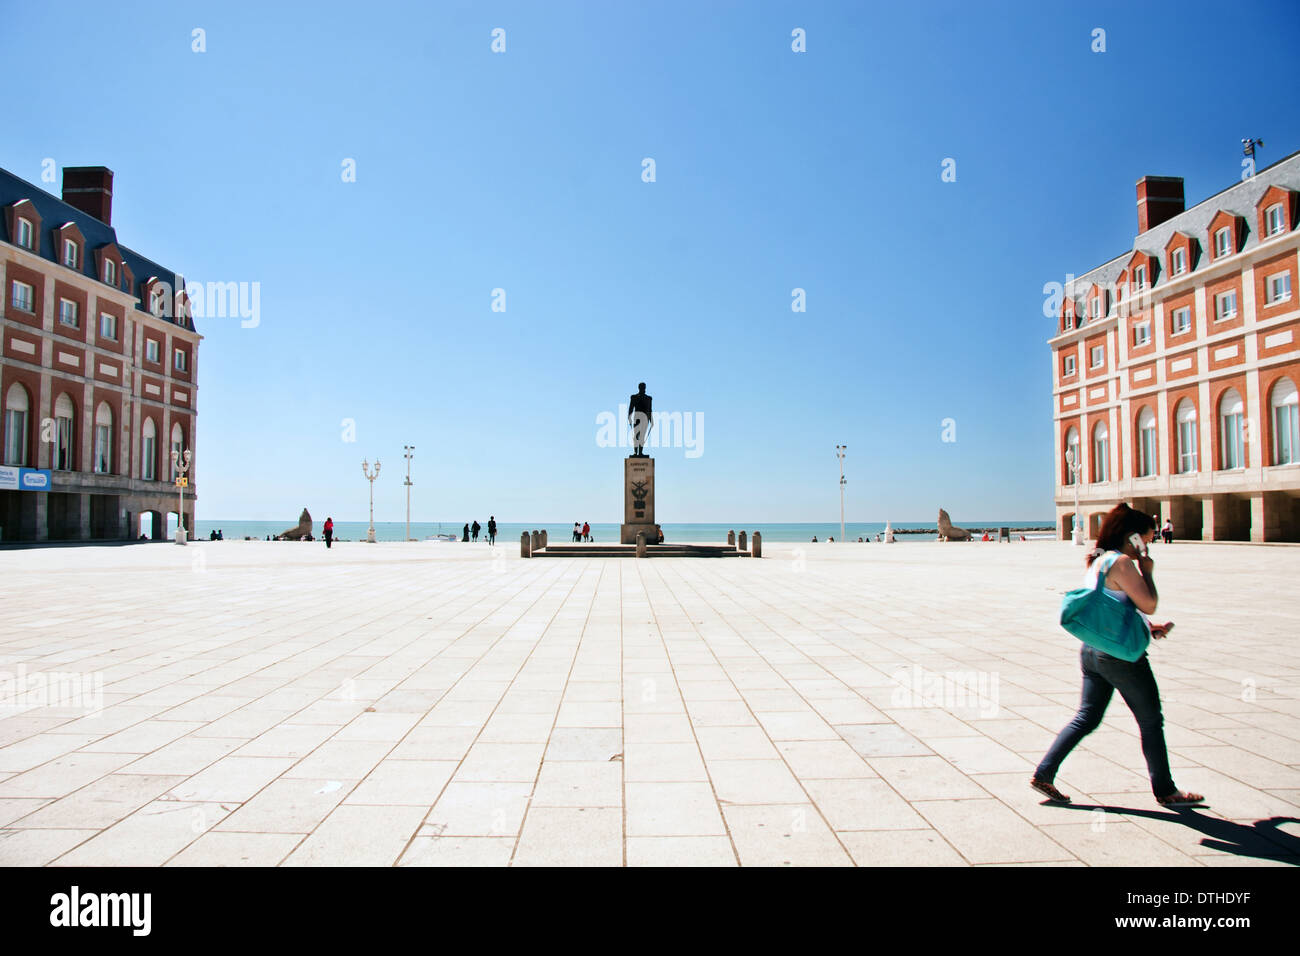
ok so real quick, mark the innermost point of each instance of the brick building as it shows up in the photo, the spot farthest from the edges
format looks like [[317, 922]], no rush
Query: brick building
[[1176, 364], [97, 370]]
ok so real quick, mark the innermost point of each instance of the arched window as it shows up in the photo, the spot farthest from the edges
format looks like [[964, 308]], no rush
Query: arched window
[[16, 409], [1147, 443], [1285, 408], [148, 451], [1101, 453], [1186, 417], [178, 447], [63, 432], [1231, 411], [103, 439], [1072, 445]]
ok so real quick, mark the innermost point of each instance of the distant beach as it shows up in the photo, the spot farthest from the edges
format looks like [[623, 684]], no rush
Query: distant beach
[[560, 532]]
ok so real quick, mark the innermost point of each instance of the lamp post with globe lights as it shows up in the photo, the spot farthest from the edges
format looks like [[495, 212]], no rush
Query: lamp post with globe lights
[[180, 465], [365, 470], [1074, 467]]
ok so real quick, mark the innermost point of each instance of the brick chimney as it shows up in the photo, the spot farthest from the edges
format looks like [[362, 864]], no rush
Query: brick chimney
[[90, 189], [1160, 198]]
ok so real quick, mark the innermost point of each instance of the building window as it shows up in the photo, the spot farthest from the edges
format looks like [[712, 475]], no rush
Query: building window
[[25, 233], [1225, 306], [178, 360], [1101, 453], [63, 413], [1285, 406], [16, 425], [1178, 262], [70, 253], [1146, 443], [151, 350], [110, 272], [1222, 242], [21, 296], [1139, 278], [1096, 308], [103, 439], [1069, 366], [1274, 222], [69, 313], [1279, 287], [1230, 433], [1182, 320], [1186, 418], [1142, 333], [108, 326], [149, 452], [1097, 356], [1072, 446]]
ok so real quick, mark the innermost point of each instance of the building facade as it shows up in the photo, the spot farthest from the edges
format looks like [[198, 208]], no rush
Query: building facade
[[1176, 366], [98, 371]]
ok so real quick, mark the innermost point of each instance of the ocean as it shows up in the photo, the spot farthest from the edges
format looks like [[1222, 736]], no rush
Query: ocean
[[560, 532]]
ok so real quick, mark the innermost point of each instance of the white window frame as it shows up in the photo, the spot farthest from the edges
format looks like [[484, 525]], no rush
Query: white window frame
[[1096, 308], [71, 246], [22, 303], [1223, 242], [1069, 366], [112, 326], [1101, 456], [1177, 262], [110, 272], [25, 233], [1139, 278], [1274, 221], [1097, 356], [1273, 287], [1148, 451], [1178, 329], [179, 362], [152, 351], [1286, 428], [1141, 333], [1078, 461], [1186, 435], [1220, 314], [76, 313]]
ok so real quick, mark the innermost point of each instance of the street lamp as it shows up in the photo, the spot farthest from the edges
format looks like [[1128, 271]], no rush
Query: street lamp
[[839, 453], [1074, 480], [407, 449], [365, 470], [179, 469]]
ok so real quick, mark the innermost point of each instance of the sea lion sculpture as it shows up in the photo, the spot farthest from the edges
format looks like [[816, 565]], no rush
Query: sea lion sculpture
[[948, 531], [299, 533]]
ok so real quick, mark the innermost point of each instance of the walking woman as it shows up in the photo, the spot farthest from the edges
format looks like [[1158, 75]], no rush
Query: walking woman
[[1129, 579]]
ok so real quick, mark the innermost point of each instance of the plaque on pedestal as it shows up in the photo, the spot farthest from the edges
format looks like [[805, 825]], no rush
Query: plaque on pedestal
[[638, 500]]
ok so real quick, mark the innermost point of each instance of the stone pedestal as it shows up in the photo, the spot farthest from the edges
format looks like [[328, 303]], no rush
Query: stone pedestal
[[638, 501], [741, 544], [525, 545], [757, 544]]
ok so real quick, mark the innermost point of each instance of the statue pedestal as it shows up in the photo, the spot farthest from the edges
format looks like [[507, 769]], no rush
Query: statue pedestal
[[638, 501]]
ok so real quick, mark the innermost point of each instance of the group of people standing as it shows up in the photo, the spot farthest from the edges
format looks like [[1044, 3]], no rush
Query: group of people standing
[[581, 532], [471, 531]]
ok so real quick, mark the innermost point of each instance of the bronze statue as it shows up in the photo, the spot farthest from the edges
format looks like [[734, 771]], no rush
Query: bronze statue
[[641, 418]]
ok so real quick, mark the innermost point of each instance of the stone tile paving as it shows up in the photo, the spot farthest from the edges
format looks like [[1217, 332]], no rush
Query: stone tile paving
[[257, 704]]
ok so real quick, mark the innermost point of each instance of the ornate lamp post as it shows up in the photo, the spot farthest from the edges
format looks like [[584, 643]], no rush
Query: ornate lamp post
[[839, 453], [365, 470], [407, 449], [1074, 480], [180, 465]]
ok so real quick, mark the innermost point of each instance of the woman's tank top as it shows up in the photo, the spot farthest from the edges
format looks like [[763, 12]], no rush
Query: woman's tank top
[[1090, 581]]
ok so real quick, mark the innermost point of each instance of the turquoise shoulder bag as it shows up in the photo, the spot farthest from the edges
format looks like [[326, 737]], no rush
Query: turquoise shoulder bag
[[1112, 627]]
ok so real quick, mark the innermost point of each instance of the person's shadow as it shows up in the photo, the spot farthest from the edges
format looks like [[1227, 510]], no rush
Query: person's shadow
[[1263, 839]]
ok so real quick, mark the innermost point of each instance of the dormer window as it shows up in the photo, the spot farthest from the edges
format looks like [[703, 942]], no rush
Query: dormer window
[[1274, 220], [110, 272], [1096, 308], [157, 301], [1178, 262], [25, 233], [1222, 242], [1139, 278], [70, 252]]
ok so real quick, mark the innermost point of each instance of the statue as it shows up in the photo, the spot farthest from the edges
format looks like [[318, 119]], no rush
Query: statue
[[299, 533], [641, 418], [948, 531]]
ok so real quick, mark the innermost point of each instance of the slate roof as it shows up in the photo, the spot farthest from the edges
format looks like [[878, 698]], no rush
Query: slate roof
[[54, 212]]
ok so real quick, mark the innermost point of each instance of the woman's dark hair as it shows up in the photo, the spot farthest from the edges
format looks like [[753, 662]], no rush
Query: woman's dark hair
[[1120, 522]]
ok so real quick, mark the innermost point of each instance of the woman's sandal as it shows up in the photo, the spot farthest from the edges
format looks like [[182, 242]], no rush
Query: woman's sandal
[[1180, 798], [1049, 791]]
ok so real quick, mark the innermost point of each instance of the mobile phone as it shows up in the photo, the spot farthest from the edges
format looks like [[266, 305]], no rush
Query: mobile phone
[[1138, 544]]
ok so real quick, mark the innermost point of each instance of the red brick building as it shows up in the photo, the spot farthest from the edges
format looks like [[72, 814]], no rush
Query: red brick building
[[1176, 366], [98, 367]]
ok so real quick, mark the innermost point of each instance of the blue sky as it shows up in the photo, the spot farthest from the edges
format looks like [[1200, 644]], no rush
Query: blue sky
[[522, 171]]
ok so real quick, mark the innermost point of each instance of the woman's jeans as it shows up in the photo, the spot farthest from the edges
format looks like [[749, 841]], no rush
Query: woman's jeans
[[1102, 675]]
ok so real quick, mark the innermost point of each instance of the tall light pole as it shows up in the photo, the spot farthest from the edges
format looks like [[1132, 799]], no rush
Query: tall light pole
[[179, 468], [1074, 466], [365, 470], [407, 450], [839, 453]]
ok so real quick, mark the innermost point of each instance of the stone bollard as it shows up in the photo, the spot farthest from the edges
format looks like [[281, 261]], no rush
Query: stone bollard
[[741, 542], [535, 541], [758, 544], [525, 546], [640, 544], [731, 538], [543, 539]]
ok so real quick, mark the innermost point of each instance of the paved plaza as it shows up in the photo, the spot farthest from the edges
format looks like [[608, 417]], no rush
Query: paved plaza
[[266, 703]]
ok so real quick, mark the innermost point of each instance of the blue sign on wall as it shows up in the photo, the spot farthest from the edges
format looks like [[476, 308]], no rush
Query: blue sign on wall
[[35, 479]]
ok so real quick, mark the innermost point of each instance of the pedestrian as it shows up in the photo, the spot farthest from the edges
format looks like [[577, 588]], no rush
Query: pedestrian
[[586, 531], [1168, 533], [577, 532], [329, 532], [1129, 578], [492, 529], [474, 529], [465, 534], [1156, 522]]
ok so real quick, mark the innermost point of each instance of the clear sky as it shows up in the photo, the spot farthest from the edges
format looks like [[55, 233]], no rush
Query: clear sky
[[523, 171]]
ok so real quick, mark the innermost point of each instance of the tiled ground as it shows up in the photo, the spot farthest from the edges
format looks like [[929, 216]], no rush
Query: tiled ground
[[428, 705]]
